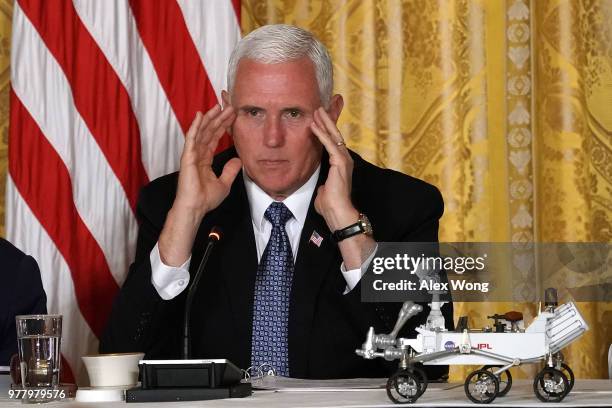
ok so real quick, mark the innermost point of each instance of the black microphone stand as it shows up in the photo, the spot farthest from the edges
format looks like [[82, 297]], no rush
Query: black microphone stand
[[213, 237]]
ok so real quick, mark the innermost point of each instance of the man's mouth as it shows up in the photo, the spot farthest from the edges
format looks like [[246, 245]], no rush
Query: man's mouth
[[272, 162]]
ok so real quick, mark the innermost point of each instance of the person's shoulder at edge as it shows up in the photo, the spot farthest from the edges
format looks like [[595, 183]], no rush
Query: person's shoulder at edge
[[25, 285], [9, 251], [21, 292], [13, 257], [395, 192]]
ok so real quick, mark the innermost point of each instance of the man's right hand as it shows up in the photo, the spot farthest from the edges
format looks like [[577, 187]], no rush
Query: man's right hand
[[199, 189]]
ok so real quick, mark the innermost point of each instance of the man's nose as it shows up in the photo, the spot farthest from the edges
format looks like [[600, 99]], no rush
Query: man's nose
[[273, 132]]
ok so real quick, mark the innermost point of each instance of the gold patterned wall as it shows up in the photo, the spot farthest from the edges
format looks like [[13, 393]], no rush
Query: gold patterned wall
[[505, 105], [6, 14], [573, 114]]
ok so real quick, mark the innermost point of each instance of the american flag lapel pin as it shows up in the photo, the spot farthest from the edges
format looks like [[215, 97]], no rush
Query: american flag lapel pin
[[316, 239]]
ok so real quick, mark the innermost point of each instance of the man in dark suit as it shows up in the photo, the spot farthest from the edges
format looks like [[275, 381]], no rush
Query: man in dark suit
[[278, 289], [21, 292]]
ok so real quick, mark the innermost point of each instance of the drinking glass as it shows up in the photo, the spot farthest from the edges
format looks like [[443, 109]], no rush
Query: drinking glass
[[38, 342]]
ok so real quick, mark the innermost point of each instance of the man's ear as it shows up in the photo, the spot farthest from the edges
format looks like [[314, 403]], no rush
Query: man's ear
[[225, 98], [225, 101], [335, 107]]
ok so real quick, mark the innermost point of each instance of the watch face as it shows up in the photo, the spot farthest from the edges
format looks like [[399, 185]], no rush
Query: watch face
[[365, 224]]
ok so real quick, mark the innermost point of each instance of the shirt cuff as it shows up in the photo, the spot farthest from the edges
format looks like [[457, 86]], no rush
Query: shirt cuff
[[169, 281], [353, 276]]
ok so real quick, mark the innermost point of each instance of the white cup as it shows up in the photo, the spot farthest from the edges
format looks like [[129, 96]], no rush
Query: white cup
[[113, 370]]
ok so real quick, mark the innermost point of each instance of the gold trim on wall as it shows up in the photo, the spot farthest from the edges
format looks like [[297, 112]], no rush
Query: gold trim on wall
[[6, 15]]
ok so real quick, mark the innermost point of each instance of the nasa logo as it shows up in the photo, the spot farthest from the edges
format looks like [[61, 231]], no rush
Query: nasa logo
[[449, 345]]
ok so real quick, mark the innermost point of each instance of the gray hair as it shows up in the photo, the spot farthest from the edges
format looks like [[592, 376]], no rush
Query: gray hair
[[273, 44]]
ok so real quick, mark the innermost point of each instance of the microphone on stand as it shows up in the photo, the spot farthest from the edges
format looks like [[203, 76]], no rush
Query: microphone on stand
[[187, 379], [214, 236]]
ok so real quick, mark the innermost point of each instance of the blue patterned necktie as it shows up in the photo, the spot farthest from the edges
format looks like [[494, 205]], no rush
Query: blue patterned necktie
[[271, 300]]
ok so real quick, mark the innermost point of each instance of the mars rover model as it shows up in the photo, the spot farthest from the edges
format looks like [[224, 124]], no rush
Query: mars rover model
[[496, 349]]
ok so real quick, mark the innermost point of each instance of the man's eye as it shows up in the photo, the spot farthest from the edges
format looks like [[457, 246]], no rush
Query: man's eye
[[253, 112], [294, 113]]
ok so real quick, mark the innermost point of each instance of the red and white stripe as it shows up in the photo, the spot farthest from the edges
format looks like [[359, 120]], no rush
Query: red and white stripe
[[102, 93]]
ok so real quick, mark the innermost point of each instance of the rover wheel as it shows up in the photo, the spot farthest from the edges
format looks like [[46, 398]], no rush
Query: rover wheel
[[404, 387], [569, 374], [564, 368], [551, 385], [422, 378], [481, 386], [505, 380]]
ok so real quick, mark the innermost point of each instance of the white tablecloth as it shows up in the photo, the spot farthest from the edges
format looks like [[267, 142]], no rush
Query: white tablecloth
[[589, 393]]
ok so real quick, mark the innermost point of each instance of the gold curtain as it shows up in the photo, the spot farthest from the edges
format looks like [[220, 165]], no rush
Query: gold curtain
[[573, 161], [505, 105]]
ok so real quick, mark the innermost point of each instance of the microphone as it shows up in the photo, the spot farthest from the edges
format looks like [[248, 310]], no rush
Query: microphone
[[214, 236], [187, 379]]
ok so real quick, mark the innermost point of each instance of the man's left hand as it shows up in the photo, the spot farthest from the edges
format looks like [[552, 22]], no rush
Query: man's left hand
[[333, 201]]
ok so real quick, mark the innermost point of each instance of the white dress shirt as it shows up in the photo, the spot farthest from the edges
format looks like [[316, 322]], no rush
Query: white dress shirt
[[170, 281]]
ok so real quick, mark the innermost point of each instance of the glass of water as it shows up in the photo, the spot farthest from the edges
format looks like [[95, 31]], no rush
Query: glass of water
[[38, 341]]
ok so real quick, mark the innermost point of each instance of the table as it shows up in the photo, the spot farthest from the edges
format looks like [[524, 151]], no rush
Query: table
[[586, 393]]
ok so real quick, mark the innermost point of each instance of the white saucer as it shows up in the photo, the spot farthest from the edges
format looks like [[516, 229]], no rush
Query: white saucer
[[106, 394]]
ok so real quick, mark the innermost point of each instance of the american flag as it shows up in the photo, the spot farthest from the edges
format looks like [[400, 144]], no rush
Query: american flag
[[102, 93], [316, 238]]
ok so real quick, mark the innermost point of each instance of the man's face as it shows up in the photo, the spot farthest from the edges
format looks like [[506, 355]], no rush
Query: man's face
[[275, 104]]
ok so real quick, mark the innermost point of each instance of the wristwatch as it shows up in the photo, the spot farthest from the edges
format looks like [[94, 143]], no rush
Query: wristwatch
[[362, 226]]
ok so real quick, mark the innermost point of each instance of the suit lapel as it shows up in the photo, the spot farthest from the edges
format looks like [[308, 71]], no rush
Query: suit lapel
[[312, 265]]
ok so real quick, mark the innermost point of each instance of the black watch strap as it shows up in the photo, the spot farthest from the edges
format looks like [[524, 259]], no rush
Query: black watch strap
[[348, 232], [362, 226]]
